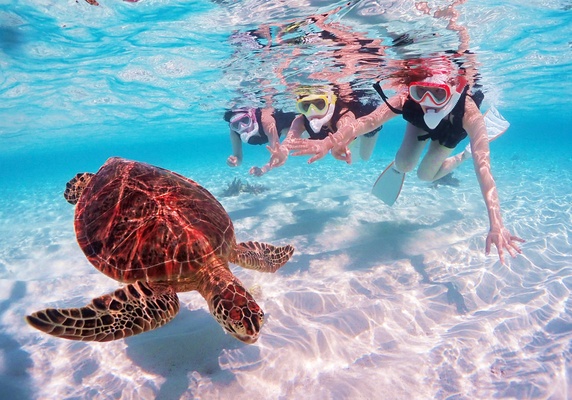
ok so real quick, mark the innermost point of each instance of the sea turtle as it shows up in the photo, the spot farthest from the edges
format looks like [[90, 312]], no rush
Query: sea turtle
[[160, 233]]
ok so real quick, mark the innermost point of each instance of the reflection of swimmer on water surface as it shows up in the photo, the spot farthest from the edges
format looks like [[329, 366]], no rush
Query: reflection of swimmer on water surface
[[335, 52]]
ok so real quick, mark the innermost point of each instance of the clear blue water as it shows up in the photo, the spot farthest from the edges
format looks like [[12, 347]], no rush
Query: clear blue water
[[371, 301]]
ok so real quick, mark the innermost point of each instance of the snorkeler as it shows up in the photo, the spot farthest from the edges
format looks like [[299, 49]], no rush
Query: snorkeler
[[322, 114], [438, 105], [256, 126]]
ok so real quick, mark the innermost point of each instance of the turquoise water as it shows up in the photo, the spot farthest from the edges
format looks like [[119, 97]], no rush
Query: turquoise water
[[400, 301]]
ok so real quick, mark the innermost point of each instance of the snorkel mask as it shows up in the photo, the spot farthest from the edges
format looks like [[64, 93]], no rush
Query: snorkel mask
[[317, 108], [244, 123], [436, 96]]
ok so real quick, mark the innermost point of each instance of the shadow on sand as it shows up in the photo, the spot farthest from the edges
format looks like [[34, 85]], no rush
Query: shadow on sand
[[14, 381], [190, 344]]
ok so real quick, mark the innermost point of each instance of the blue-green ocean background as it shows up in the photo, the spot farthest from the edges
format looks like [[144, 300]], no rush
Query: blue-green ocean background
[[376, 300]]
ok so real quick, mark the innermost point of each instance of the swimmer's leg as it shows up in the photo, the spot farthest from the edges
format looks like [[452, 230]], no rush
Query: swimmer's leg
[[437, 163], [367, 144], [410, 151]]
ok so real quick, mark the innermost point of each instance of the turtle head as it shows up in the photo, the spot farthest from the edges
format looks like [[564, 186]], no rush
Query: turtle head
[[237, 312]]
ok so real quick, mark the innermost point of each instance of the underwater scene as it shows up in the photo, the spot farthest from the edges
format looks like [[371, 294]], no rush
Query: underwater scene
[[256, 199]]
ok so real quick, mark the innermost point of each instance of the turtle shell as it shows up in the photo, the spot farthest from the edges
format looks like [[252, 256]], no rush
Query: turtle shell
[[135, 221]]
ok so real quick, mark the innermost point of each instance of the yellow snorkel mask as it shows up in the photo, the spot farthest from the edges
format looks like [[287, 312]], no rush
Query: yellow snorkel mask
[[317, 108], [313, 105]]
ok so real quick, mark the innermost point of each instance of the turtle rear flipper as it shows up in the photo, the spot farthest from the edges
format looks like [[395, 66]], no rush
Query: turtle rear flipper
[[262, 257], [133, 309], [75, 187]]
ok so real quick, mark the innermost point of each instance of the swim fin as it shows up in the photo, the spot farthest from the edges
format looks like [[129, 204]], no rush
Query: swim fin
[[388, 185], [496, 125]]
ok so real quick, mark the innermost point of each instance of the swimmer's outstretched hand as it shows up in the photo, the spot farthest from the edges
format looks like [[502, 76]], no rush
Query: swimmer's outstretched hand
[[257, 171], [279, 155], [305, 147], [340, 150], [503, 239], [232, 161]]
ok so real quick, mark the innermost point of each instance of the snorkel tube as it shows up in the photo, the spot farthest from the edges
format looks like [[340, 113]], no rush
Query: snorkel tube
[[317, 123]]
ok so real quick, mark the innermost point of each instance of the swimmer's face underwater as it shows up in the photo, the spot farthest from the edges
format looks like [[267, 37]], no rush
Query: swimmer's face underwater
[[244, 123], [317, 108], [436, 97]]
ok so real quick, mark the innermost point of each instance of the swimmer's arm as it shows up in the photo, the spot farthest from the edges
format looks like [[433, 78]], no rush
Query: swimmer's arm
[[346, 119], [474, 124], [235, 159], [369, 122], [296, 130], [279, 152], [345, 133], [269, 126], [337, 144]]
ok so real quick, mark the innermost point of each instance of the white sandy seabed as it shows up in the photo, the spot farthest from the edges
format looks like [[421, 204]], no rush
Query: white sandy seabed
[[377, 302]]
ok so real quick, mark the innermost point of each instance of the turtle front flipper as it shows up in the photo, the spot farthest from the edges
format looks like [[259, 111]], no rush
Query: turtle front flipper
[[133, 309], [74, 188], [261, 257]]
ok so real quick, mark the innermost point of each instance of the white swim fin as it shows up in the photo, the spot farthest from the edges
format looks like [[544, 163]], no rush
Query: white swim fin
[[388, 185], [496, 125]]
